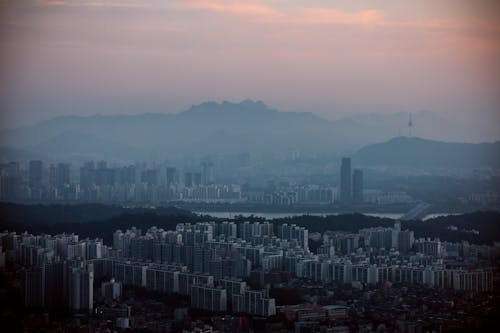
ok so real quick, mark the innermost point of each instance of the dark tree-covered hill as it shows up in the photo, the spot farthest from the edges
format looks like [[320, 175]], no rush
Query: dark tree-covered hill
[[101, 221]]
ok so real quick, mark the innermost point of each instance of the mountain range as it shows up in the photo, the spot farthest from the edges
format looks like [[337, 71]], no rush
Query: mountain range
[[211, 128]]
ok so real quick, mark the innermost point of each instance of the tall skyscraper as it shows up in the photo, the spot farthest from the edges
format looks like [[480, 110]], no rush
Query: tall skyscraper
[[171, 175], [197, 179], [126, 175], [10, 180], [62, 174], [53, 176], [150, 177], [357, 186], [188, 179], [87, 175], [345, 181], [81, 288], [35, 174], [34, 287], [208, 173]]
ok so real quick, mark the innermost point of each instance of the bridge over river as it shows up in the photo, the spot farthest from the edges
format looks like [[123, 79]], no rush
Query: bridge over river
[[416, 213]]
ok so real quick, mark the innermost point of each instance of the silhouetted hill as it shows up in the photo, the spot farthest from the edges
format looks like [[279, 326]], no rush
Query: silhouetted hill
[[19, 214], [206, 128], [486, 223], [101, 221], [417, 152], [88, 220]]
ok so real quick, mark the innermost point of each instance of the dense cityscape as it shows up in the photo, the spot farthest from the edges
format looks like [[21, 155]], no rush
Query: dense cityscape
[[141, 184], [237, 275], [247, 166], [240, 272]]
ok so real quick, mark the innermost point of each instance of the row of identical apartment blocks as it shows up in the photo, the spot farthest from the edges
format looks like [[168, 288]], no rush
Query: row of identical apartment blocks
[[437, 276], [43, 283], [68, 284], [214, 249], [205, 291], [195, 245], [206, 259]]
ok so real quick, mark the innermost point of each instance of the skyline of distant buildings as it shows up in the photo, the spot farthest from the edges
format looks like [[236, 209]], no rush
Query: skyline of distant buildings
[[351, 183], [206, 182], [96, 182]]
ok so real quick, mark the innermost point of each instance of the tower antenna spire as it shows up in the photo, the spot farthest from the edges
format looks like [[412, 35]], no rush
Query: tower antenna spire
[[410, 125]]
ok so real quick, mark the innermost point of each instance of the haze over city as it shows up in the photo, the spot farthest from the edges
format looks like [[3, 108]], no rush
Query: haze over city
[[334, 59], [249, 166]]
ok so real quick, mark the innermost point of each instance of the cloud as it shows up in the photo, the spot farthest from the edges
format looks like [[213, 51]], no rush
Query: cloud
[[95, 4], [293, 15], [288, 52], [233, 8], [335, 16], [51, 3], [264, 12]]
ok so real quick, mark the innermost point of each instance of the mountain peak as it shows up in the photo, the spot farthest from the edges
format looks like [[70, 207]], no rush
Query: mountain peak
[[247, 105]]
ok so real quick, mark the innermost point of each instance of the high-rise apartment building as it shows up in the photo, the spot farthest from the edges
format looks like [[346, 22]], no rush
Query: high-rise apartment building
[[81, 288], [208, 298], [188, 179], [35, 174], [171, 175], [345, 181], [62, 174], [208, 176]]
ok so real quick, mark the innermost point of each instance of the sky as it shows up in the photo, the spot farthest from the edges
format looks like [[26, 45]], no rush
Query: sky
[[332, 58]]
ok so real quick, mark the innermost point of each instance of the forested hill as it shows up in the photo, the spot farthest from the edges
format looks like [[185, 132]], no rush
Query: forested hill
[[53, 214], [101, 221], [90, 220], [418, 152]]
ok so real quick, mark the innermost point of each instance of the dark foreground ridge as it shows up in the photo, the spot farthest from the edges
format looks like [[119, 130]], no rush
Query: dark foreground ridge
[[96, 220]]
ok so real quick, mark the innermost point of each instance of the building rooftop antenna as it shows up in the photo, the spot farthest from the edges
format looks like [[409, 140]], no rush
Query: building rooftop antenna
[[410, 125]]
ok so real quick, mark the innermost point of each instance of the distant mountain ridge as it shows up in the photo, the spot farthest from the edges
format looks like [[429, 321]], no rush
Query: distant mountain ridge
[[208, 128], [418, 152]]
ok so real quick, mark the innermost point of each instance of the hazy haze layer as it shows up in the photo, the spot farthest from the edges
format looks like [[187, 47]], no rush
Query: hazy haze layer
[[71, 57]]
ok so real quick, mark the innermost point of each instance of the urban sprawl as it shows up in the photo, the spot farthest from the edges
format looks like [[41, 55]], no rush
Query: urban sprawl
[[230, 267]]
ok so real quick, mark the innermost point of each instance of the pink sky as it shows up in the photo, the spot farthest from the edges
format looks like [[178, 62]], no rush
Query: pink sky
[[332, 58]]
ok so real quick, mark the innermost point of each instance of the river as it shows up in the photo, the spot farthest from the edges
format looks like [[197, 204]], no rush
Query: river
[[268, 216]]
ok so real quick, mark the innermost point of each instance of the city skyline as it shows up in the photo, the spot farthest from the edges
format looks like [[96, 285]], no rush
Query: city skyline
[[246, 166]]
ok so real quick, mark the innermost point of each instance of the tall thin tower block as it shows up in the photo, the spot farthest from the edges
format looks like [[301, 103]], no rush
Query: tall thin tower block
[[410, 125], [345, 181]]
